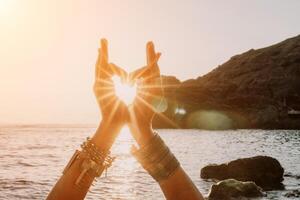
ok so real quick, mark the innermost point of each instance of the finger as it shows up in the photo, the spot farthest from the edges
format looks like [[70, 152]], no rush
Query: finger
[[155, 71], [147, 74], [157, 56], [102, 71], [139, 73], [116, 70], [150, 51], [153, 74], [104, 51], [97, 66], [125, 112], [155, 60]]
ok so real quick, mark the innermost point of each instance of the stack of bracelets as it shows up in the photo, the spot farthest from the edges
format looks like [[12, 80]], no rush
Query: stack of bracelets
[[94, 161], [156, 158]]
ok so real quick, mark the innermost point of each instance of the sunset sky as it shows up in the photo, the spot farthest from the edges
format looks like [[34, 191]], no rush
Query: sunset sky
[[48, 48]]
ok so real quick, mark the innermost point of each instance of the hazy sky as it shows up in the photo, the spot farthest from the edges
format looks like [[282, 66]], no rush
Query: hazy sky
[[48, 47]]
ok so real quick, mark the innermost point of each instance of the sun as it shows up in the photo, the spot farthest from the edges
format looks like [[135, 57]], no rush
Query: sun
[[124, 91]]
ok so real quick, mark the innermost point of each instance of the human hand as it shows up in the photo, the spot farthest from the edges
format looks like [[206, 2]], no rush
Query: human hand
[[114, 112], [149, 94]]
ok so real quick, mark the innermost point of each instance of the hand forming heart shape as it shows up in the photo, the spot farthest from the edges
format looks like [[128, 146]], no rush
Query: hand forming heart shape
[[140, 90]]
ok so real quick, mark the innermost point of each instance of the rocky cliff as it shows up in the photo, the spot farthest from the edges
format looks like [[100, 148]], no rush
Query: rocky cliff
[[256, 89]]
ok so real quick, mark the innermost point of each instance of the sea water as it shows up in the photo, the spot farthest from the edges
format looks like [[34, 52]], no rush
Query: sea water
[[33, 157]]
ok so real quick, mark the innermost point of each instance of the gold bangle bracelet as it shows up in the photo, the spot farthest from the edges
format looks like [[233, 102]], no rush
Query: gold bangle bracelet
[[157, 159]]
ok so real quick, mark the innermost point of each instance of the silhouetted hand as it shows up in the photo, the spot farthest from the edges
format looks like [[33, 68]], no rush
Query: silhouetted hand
[[148, 94], [113, 110]]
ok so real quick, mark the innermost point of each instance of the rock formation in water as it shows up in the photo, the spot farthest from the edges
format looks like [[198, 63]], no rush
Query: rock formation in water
[[256, 89], [233, 189], [265, 171]]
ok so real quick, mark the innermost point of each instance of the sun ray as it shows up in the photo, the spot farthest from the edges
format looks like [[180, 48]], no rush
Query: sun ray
[[159, 86], [118, 71], [113, 110], [139, 109], [149, 94], [104, 81], [168, 120], [134, 120], [105, 96], [106, 72], [139, 73], [108, 102], [101, 88], [160, 114], [149, 86], [104, 89]]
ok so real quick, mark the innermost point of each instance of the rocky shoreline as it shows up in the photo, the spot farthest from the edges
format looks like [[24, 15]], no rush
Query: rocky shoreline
[[258, 89], [246, 178]]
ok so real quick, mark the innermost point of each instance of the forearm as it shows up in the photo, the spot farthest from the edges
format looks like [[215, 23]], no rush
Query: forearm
[[178, 185], [66, 188]]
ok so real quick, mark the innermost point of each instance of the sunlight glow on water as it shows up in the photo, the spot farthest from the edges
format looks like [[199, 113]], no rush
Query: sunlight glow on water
[[124, 141]]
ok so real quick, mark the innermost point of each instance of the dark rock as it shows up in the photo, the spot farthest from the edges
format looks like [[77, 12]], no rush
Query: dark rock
[[231, 188], [265, 171], [258, 86], [293, 194]]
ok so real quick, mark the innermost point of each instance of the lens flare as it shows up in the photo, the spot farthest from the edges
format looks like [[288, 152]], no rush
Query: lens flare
[[210, 120]]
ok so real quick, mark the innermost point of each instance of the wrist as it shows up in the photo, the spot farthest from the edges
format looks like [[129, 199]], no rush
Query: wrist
[[142, 134], [145, 137], [106, 134], [156, 158]]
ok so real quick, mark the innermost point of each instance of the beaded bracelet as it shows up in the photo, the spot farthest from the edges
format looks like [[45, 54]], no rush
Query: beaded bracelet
[[156, 158], [94, 161]]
